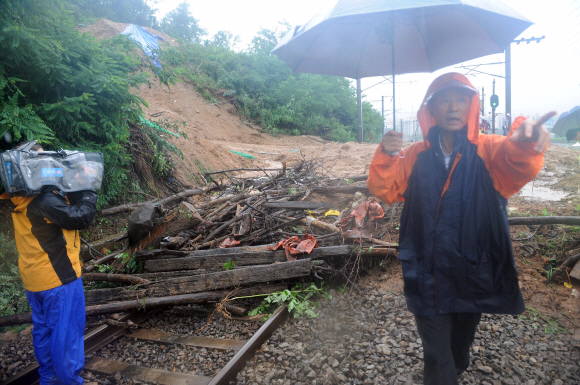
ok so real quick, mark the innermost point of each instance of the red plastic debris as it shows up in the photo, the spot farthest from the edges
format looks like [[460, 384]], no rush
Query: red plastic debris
[[371, 208], [294, 245], [229, 242]]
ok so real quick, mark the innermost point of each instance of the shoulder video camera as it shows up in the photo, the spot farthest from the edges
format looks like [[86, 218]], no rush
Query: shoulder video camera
[[25, 172]]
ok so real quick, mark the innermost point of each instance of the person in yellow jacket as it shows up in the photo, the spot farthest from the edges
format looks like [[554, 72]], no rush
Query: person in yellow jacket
[[46, 232]]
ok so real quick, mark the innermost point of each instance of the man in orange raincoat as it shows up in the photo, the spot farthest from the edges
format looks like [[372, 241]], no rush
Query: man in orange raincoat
[[455, 244]]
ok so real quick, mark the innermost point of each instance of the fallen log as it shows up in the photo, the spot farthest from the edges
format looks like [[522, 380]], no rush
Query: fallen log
[[572, 221], [145, 255], [299, 205], [142, 221], [204, 282], [157, 277], [242, 169], [223, 199], [133, 206], [180, 219], [148, 303], [121, 278], [180, 195], [341, 190], [247, 257], [310, 221]]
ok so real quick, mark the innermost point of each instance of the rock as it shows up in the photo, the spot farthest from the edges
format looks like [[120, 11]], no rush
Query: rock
[[485, 369]]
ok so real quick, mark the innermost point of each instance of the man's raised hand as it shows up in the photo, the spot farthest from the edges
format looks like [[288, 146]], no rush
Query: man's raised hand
[[533, 131], [392, 142]]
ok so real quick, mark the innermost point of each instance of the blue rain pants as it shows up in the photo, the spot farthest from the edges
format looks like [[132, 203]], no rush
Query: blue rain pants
[[58, 317]]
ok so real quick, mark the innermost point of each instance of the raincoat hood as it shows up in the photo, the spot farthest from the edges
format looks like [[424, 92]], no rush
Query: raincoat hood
[[449, 80]]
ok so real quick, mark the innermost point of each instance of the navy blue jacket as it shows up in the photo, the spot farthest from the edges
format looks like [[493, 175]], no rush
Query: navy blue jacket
[[455, 244], [455, 247]]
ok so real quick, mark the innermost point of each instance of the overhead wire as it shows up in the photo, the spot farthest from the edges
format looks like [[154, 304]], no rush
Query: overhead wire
[[554, 17], [562, 43]]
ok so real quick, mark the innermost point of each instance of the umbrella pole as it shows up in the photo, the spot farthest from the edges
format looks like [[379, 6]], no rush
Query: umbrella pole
[[359, 105]]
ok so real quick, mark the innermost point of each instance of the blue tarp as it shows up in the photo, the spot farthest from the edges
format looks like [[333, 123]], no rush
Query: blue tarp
[[148, 41]]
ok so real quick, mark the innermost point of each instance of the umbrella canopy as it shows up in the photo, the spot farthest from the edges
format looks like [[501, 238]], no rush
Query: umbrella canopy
[[363, 38], [569, 120], [354, 39]]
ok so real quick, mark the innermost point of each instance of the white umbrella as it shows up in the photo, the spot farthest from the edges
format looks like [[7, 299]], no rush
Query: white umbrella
[[362, 38]]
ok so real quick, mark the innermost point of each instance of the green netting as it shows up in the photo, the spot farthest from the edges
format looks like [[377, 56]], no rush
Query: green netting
[[244, 154], [153, 125]]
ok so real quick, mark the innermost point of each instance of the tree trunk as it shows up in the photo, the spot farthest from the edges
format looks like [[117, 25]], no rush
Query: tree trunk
[[122, 278], [133, 206], [572, 221], [298, 205], [147, 303], [180, 219], [241, 258], [204, 282]]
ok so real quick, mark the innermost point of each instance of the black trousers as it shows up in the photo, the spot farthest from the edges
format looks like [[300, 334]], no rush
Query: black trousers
[[446, 340]]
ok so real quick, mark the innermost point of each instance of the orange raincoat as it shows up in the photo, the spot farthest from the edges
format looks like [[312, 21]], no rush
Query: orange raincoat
[[454, 242]]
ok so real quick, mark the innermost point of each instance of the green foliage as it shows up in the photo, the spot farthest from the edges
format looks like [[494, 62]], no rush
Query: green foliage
[[107, 269], [130, 264], [265, 41], [12, 294], [223, 39], [8, 252], [264, 89], [179, 23], [122, 11], [550, 269], [551, 325], [69, 90], [229, 265], [298, 300]]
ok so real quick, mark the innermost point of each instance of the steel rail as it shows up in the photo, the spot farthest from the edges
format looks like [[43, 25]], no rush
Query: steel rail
[[105, 334], [94, 340], [229, 372]]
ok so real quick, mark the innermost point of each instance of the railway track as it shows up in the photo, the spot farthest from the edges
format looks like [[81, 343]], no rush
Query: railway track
[[103, 335]]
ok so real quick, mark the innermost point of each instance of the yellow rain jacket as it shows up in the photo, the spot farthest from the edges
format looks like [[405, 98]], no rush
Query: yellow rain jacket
[[46, 231]]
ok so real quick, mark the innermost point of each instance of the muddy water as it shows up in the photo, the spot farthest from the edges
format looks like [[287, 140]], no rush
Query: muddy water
[[535, 190], [541, 187], [570, 145]]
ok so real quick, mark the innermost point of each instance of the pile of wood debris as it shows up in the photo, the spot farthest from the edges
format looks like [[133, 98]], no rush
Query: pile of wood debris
[[249, 235]]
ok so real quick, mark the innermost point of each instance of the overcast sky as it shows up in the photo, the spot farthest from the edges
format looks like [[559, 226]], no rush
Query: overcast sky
[[545, 75]]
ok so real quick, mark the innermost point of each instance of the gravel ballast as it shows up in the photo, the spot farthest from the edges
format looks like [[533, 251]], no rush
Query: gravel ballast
[[365, 337], [370, 338]]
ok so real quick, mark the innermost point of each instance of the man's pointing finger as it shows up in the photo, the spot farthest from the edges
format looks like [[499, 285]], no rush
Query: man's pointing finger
[[540, 122]]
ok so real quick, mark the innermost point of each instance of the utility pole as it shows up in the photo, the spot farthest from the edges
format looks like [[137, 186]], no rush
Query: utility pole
[[493, 110], [402, 128], [508, 85], [508, 75], [383, 112], [482, 101]]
